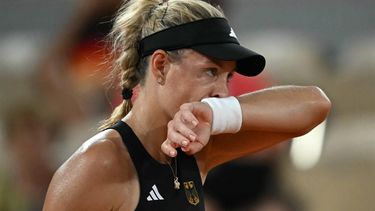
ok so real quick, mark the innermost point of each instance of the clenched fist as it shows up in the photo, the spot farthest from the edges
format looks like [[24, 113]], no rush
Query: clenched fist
[[190, 129]]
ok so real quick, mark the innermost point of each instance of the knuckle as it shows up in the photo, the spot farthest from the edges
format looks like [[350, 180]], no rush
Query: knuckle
[[179, 128], [176, 115], [185, 106], [172, 137], [164, 146], [186, 115], [169, 134], [170, 124]]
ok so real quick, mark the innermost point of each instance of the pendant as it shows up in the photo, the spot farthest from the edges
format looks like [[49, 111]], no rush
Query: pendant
[[176, 183]]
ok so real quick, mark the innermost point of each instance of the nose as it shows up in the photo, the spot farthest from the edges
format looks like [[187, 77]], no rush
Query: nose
[[221, 89]]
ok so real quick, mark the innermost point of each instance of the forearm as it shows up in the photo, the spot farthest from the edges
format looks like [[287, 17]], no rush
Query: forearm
[[268, 117], [289, 109]]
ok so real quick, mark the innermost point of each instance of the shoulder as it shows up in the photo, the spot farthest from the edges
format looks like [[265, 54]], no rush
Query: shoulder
[[104, 152], [93, 176]]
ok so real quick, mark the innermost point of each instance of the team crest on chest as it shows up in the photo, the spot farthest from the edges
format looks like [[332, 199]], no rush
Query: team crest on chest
[[191, 193]]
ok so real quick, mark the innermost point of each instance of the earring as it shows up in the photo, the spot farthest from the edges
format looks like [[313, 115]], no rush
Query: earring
[[160, 80]]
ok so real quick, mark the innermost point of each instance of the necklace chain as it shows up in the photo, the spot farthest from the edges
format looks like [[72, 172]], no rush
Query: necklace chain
[[174, 172]]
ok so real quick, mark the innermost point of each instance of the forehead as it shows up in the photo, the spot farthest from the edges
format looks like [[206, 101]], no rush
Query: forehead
[[194, 57]]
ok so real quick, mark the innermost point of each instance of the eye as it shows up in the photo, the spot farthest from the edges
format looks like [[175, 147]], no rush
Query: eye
[[230, 76], [211, 72]]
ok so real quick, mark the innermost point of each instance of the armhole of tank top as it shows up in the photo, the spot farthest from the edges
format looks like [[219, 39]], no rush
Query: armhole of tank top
[[121, 133]]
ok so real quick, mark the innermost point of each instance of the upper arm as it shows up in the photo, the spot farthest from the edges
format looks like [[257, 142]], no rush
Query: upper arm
[[87, 181], [284, 109]]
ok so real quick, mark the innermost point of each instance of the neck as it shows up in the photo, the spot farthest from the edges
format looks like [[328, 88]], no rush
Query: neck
[[150, 125]]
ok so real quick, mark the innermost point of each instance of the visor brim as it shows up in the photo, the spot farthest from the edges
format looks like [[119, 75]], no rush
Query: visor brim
[[249, 63]]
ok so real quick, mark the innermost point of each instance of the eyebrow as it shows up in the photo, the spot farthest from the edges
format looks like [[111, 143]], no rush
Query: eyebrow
[[215, 61]]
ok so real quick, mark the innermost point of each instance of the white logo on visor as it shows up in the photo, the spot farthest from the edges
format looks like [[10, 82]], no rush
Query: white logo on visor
[[232, 34]]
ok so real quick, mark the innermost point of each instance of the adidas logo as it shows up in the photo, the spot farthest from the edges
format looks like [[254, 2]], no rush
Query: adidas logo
[[154, 194], [232, 34]]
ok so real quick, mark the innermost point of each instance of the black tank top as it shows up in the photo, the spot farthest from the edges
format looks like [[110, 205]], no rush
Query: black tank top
[[157, 190]]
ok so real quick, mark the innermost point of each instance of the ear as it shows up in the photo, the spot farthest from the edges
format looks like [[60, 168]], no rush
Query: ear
[[159, 64]]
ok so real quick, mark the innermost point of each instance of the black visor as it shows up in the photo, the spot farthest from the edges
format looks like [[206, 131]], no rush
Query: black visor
[[212, 37]]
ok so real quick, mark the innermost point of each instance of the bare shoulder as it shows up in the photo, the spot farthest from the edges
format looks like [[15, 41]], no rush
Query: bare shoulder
[[103, 155], [96, 177], [104, 150]]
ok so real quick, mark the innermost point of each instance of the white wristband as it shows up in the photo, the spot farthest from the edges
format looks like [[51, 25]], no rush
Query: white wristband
[[226, 114]]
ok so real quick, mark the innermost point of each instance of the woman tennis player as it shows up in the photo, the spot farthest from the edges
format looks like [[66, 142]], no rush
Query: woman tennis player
[[154, 153]]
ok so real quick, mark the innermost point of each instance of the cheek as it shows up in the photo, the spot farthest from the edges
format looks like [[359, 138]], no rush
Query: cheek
[[175, 93], [178, 91], [172, 95], [183, 85], [179, 82]]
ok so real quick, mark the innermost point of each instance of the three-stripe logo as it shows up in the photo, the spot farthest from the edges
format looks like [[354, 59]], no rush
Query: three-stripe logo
[[154, 194]]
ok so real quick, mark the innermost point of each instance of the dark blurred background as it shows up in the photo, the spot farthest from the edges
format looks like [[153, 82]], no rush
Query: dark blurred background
[[53, 67]]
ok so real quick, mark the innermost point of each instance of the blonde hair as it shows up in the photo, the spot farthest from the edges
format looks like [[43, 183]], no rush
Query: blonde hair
[[137, 19]]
